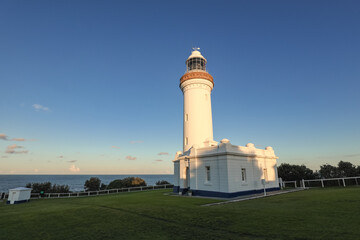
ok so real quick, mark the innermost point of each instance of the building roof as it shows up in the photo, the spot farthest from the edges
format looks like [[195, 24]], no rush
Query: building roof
[[196, 54], [21, 188]]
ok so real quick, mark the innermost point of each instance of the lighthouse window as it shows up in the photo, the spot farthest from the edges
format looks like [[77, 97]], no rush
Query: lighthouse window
[[186, 141], [196, 63], [207, 168], [186, 117]]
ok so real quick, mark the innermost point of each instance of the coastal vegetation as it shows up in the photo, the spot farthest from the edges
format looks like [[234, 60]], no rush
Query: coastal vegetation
[[329, 213], [289, 172], [94, 183], [126, 183], [162, 182], [48, 187]]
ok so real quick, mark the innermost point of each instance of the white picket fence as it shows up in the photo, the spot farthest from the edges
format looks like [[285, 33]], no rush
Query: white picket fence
[[341, 182], [96, 193]]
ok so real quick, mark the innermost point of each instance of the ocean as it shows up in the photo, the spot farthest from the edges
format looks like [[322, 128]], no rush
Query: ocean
[[75, 182]]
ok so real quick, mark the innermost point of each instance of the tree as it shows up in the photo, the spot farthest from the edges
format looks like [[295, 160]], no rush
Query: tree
[[47, 187], [93, 184], [290, 172], [126, 183], [162, 182], [328, 171], [346, 169]]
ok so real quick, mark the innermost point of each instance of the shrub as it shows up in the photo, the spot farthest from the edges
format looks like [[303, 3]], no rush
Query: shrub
[[126, 183], [47, 187], [162, 182], [93, 184]]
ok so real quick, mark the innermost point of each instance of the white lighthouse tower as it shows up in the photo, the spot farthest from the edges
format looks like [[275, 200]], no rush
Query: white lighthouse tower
[[209, 168], [196, 85]]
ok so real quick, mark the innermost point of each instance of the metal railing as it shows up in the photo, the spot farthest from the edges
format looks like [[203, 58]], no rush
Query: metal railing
[[323, 182], [95, 193]]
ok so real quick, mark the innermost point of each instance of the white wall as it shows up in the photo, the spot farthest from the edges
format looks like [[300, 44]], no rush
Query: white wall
[[226, 161], [198, 126]]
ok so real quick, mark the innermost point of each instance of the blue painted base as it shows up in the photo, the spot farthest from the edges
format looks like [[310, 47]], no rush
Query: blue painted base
[[203, 193], [230, 195], [176, 189], [17, 202]]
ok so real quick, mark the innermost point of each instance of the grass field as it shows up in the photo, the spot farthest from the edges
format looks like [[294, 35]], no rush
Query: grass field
[[331, 213]]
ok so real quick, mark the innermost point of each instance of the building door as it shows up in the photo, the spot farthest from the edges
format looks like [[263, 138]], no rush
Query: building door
[[187, 178]]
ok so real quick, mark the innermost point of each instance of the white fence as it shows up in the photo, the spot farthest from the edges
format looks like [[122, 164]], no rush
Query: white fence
[[323, 182], [94, 193]]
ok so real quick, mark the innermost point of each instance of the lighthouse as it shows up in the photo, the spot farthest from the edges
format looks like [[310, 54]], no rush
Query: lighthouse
[[208, 168], [196, 85]]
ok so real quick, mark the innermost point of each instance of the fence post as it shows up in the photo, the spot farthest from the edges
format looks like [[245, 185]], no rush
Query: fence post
[[153, 187], [117, 190], [58, 195], [339, 182], [295, 185], [88, 193], [77, 194], [128, 189], [344, 182], [140, 188], [108, 191], [356, 181], [322, 183], [69, 194], [303, 182]]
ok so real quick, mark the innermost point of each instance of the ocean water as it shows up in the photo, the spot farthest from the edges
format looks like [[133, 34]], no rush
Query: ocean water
[[75, 182]]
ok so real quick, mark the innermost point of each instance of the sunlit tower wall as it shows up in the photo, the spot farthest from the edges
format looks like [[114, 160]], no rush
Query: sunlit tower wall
[[196, 85]]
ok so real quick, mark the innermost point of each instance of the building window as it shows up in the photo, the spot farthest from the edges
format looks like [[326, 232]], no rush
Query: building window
[[186, 141], [186, 117], [265, 174], [243, 174], [208, 173]]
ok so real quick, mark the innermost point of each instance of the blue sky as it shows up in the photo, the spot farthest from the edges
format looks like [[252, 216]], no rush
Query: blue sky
[[93, 86]]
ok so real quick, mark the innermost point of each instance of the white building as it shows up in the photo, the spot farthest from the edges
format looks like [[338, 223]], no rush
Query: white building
[[209, 168], [19, 195]]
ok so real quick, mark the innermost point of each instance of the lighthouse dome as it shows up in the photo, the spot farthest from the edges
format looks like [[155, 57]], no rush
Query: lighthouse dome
[[196, 54]]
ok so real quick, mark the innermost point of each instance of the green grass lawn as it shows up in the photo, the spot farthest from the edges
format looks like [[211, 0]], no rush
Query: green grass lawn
[[331, 213]]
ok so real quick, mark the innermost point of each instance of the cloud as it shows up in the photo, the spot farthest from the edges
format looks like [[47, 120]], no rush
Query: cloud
[[10, 149], [135, 142], [73, 168], [18, 139], [4, 156], [39, 107], [158, 160], [72, 161], [115, 147], [14, 146], [351, 155], [61, 156], [130, 158], [15, 152], [163, 153], [3, 136]]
